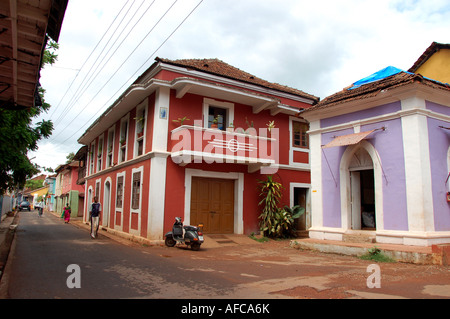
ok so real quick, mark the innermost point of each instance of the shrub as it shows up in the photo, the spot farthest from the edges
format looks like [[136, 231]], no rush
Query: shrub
[[276, 222]]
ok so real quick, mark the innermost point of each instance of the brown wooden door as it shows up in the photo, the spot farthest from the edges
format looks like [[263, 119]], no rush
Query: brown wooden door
[[212, 204]]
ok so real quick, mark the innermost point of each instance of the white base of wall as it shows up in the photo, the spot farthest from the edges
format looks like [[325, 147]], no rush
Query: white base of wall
[[387, 237]]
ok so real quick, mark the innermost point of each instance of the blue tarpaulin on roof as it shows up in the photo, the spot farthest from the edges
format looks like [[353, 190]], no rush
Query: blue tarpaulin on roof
[[384, 73]]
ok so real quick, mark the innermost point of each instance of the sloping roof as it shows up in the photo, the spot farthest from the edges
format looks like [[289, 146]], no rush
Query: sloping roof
[[372, 89], [24, 26], [218, 67], [433, 48]]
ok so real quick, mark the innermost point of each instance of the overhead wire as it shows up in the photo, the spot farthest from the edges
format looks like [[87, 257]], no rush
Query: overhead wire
[[87, 59], [82, 85], [142, 15], [143, 64]]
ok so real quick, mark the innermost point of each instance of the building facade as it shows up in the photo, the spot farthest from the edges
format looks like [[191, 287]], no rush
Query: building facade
[[68, 191], [157, 154], [380, 160]]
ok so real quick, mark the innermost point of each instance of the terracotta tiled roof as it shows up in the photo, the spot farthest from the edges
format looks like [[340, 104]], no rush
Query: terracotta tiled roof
[[374, 88], [218, 67], [434, 47]]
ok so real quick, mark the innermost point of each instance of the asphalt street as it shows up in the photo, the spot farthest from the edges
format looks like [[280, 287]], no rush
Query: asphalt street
[[53, 260], [49, 255]]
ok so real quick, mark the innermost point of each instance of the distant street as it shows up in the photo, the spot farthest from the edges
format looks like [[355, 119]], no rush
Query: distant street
[[49, 255]]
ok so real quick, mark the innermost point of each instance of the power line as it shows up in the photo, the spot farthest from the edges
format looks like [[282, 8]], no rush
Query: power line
[[173, 32], [54, 109], [70, 104], [111, 57]]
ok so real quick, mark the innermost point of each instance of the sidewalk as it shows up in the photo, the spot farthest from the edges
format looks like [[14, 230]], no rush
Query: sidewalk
[[436, 254], [8, 226]]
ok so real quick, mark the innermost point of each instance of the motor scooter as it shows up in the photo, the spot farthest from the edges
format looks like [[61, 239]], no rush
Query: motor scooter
[[188, 235]]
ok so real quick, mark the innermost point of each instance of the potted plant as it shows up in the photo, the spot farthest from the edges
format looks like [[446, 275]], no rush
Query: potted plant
[[230, 128], [140, 126], [215, 123], [181, 120], [250, 127], [270, 126]]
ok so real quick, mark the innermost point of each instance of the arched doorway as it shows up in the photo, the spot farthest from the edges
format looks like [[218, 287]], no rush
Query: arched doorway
[[361, 188]]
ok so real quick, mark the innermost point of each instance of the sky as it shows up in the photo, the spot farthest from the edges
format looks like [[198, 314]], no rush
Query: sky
[[318, 46]]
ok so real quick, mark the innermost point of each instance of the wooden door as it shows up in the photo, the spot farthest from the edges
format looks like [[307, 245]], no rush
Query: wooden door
[[212, 204]]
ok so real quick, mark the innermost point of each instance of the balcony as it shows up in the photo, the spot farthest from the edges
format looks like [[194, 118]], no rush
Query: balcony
[[193, 144]]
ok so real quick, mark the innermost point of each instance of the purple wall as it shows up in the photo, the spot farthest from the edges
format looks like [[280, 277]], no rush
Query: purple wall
[[389, 145], [372, 112], [331, 160], [437, 108], [439, 143]]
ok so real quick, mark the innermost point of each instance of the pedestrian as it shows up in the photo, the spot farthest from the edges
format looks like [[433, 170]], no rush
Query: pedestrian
[[67, 212], [40, 207], [94, 215]]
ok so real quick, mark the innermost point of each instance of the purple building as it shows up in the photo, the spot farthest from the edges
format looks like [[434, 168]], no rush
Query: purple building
[[380, 160]]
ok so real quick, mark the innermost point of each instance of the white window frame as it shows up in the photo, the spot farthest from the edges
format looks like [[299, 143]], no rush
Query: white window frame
[[142, 108], [123, 121], [99, 159], [139, 210], [207, 102], [117, 209], [110, 144], [293, 148], [91, 166]]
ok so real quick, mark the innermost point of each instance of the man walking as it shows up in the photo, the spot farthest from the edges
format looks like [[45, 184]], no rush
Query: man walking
[[94, 212]]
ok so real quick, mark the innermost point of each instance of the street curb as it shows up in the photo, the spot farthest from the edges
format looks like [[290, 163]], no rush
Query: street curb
[[9, 224]]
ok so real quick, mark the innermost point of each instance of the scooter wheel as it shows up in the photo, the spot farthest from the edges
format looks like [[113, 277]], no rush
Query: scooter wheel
[[195, 246], [170, 242]]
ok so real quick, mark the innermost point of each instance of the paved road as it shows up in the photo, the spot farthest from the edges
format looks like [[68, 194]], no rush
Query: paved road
[[45, 247]]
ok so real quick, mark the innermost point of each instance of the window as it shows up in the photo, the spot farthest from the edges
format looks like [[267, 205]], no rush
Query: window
[[217, 115], [123, 140], [140, 131], [136, 190], [110, 148], [223, 111], [119, 197], [91, 159], [299, 136], [100, 154]]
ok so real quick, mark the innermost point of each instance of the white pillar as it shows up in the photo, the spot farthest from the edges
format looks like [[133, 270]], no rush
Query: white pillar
[[417, 167], [158, 166]]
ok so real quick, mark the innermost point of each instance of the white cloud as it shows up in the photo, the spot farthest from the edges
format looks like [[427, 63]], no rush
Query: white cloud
[[315, 46]]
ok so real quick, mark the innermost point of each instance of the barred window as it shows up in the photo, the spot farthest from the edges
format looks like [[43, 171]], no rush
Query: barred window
[[119, 197], [136, 193]]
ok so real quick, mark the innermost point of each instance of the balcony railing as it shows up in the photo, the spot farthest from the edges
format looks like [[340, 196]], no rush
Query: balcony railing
[[192, 144]]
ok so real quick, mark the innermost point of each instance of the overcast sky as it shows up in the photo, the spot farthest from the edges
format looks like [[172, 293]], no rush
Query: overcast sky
[[316, 46]]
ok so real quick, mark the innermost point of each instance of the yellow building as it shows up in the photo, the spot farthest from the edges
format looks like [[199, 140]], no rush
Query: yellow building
[[434, 63], [36, 193]]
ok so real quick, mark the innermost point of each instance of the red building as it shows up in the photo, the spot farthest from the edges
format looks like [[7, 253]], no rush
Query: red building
[[155, 153]]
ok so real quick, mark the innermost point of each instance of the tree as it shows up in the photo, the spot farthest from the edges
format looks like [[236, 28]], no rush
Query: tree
[[18, 135], [70, 157]]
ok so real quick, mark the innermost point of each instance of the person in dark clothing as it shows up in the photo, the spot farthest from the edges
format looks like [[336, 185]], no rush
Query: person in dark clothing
[[94, 212]]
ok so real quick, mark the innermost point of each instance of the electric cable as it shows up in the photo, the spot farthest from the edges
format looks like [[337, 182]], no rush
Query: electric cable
[[167, 38], [73, 81]]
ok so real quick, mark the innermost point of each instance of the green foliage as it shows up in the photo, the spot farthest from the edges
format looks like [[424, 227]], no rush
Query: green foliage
[[376, 254], [276, 222], [258, 239], [34, 184], [50, 55], [18, 135]]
